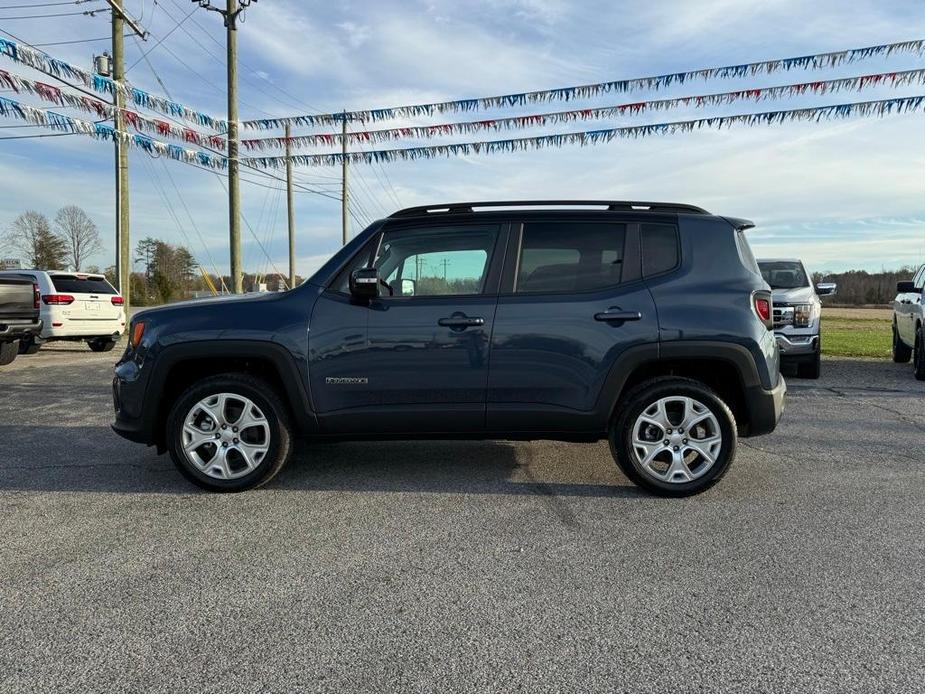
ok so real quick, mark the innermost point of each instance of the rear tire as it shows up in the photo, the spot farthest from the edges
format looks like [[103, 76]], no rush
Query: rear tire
[[28, 345], [901, 352], [8, 352], [919, 354], [685, 454], [101, 344], [208, 411], [810, 369]]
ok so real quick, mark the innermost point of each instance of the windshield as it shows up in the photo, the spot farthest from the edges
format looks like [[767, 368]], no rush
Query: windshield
[[786, 274]]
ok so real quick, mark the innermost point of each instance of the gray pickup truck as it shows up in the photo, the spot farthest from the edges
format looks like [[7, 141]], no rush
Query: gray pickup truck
[[797, 313], [19, 315]]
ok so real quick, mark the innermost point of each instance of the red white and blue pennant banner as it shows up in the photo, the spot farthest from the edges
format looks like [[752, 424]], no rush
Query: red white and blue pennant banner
[[57, 121], [102, 131], [101, 109], [891, 79], [588, 91], [104, 85], [593, 137]]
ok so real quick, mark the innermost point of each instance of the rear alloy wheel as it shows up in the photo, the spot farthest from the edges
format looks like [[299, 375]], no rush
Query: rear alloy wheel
[[229, 433], [101, 344], [8, 352], [901, 352], [918, 357], [673, 436]]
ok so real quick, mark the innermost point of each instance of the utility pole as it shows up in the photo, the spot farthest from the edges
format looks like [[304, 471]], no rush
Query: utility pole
[[290, 205], [344, 204], [231, 14], [123, 229]]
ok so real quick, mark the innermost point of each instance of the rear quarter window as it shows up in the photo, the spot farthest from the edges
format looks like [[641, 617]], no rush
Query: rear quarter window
[[77, 285], [660, 252]]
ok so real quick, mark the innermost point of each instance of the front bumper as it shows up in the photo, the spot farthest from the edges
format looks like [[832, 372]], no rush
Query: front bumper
[[795, 345], [133, 420], [765, 408]]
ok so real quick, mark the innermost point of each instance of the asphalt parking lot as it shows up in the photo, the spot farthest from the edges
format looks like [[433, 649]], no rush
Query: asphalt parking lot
[[463, 566]]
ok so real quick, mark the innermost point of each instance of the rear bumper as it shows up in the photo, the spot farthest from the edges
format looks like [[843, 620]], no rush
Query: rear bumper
[[765, 408], [15, 329]]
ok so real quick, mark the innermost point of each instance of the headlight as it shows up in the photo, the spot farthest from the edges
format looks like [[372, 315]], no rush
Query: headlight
[[802, 315]]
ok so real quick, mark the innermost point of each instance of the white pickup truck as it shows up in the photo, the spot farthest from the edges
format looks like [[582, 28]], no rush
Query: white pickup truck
[[908, 323]]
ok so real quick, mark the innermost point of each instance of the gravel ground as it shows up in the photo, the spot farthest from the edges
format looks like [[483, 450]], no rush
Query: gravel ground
[[463, 566]]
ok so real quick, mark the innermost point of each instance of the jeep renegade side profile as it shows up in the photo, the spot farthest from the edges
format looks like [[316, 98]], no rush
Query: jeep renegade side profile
[[644, 323]]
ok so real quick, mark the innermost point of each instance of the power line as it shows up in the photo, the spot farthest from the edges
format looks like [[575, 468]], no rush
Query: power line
[[89, 13], [161, 40], [45, 4], [67, 43]]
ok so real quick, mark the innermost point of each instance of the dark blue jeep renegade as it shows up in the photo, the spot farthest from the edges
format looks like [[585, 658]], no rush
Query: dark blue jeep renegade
[[646, 323]]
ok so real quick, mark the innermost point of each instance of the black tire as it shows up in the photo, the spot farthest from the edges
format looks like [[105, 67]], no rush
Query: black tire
[[810, 369], [101, 344], [919, 354], [265, 398], [28, 345], [8, 352], [902, 353], [640, 398]]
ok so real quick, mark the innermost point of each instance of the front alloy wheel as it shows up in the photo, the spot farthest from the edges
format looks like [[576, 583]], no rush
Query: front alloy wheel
[[673, 436], [229, 433]]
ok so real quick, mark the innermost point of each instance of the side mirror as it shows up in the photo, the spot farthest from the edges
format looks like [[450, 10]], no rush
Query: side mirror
[[906, 287], [826, 289], [408, 287], [364, 283]]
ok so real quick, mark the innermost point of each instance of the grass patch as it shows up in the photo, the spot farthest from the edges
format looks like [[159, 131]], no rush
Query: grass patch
[[856, 337]]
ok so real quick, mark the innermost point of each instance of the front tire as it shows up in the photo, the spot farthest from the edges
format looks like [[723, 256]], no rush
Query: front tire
[[810, 369], [901, 351], [229, 433], [8, 352], [919, 354], [673, 436]]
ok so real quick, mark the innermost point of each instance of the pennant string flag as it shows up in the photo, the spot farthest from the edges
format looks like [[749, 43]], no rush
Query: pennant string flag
[[60, 122], [102, 131], [892, 79], [43, 62], [101, 109], [586, 91], [592, 137]]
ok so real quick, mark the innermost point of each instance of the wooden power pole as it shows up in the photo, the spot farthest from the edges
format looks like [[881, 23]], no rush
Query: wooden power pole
[[290, 207], [231, 14], [123, 223], [345, 203]]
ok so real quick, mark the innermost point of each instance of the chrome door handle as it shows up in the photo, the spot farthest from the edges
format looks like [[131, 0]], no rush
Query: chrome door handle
[[615, 316]]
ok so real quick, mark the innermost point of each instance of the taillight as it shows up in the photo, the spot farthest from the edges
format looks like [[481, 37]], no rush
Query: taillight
[[58, 299], [36, 295], [138, 331], [764, 308], [117, 301]]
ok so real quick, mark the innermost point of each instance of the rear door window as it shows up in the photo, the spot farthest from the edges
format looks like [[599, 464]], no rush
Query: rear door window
[[72, 284], [567, 256]]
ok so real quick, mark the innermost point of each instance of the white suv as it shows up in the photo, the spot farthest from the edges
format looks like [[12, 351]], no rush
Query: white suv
[[75, 306]]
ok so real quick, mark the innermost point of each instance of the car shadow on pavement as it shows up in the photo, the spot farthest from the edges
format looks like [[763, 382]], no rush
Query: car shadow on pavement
[[94, 459]]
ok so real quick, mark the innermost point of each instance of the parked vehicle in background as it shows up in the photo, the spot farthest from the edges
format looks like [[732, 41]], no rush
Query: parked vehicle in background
[[75, 306], [908, 323], [644, 323], [19, 315], [797, 313]]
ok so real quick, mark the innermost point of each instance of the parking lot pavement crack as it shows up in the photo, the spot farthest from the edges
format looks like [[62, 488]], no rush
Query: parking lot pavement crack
[[900, 416]]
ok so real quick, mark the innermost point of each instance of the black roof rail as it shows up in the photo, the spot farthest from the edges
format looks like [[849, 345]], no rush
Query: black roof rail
[[611, 205]]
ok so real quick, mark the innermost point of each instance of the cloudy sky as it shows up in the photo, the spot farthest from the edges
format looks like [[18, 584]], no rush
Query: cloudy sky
[[848, 194]]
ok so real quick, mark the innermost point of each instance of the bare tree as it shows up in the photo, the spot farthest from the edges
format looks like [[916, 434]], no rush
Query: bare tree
[[79, 234], [30, 235]]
